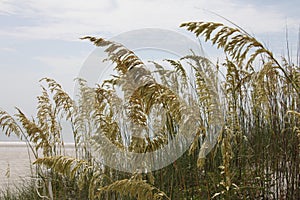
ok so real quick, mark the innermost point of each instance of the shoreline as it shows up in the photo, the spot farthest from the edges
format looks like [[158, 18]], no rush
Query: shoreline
[[16, 162]]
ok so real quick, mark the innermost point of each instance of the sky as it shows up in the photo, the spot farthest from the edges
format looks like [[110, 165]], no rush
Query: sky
[[41, 38]]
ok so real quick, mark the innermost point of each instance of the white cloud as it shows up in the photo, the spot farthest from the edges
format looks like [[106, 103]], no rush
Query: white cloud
[[7, 7], [7, 49], [69, 20], [64, 68], [62, 62]]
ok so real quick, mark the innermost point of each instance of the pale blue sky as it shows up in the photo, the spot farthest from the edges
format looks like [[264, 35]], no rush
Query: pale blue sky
[[40, 38]]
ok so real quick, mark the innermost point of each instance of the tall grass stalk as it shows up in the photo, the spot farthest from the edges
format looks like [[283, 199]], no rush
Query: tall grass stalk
[[257, 155]]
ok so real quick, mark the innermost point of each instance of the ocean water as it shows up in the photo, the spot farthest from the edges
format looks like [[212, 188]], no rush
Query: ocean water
[[16, 163]]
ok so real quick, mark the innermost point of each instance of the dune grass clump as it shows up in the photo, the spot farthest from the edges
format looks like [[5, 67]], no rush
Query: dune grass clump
[[257, 152]]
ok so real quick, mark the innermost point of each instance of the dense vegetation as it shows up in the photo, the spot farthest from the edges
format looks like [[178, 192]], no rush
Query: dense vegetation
[[257, 151]]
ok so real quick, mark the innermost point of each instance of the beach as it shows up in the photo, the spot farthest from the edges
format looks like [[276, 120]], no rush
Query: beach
[[16, 163]]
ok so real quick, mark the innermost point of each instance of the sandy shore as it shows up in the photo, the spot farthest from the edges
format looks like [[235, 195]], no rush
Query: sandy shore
[[15, 162]]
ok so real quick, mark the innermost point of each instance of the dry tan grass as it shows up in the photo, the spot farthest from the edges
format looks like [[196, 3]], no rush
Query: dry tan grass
[[257, 150]]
